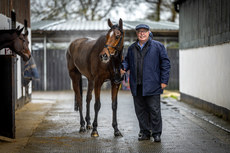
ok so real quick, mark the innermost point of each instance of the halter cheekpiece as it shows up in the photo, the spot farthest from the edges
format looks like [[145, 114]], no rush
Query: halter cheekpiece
[[119, 43]]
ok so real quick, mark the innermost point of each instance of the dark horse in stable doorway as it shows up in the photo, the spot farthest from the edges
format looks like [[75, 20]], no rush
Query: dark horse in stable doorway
[[16, 41], [99, 60]]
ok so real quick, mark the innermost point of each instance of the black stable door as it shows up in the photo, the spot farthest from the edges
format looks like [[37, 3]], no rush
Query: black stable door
[[7, 96]]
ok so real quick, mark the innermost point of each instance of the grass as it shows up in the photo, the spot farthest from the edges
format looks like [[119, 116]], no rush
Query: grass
[[171, 94]]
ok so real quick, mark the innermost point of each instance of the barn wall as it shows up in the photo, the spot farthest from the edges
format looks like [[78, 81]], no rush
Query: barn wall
[[20, 7], [204, 23], [22, 11], [205, 73], [204, 39], [173, 83]]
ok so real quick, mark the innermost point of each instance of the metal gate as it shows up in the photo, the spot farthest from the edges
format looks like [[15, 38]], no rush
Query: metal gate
[[8, 95], [57, 76]]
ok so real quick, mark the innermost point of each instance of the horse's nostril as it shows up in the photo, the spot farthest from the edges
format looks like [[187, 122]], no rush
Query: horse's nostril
[[105, 56]]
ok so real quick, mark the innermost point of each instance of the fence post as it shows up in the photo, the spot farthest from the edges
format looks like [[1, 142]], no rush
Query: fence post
[[45, 65]]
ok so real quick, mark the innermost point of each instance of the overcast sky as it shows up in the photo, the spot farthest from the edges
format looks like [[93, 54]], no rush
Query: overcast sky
[[140, 13], [123, 13]]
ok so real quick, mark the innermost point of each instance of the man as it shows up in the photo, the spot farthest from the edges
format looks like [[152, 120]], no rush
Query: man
[[149, 68]]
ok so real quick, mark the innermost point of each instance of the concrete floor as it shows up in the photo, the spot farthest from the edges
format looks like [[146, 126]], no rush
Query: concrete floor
[[49, 124]]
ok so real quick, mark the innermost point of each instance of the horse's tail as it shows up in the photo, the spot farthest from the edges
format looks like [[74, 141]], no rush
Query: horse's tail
[[71, 69], [80, 82], [67, 53]]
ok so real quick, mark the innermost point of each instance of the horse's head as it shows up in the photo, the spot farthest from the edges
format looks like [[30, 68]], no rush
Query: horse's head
[[21, 44], [114, 41]]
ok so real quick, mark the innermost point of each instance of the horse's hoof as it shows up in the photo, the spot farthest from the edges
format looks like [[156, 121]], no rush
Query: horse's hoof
[[94, 134], [82, 130], [117, 134], [89, 127]]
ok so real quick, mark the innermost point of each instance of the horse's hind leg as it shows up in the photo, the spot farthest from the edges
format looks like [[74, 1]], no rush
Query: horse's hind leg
[[75, 75], [88, 99], [76, 104], [76, 107]]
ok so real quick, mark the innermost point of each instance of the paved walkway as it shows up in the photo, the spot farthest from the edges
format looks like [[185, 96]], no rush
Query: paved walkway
[[49, 124]]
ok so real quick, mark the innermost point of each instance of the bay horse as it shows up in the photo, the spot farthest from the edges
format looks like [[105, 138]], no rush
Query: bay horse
[[88, 57], [16, 41]]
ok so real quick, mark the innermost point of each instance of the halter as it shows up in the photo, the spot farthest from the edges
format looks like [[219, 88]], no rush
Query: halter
[[119, 43], [24, 47], [115, 79], [24, 43]]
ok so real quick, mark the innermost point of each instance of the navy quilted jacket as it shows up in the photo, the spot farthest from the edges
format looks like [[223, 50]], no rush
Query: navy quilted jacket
[[156, 68]]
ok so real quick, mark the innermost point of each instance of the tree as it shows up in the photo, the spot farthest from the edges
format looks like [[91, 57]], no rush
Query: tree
[[159, 6], [47, 10], [98, 9], [156, 6], [169, 7], [93, 9], [67, 9]]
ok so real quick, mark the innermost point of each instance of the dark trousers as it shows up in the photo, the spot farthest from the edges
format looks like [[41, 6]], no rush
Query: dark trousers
[[148, 111]]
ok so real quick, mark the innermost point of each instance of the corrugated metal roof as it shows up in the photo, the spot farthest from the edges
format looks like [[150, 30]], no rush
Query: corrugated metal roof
[[73, 25], [161, 25]]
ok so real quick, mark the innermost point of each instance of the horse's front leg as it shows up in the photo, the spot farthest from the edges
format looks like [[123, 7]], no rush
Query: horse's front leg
[[115, 88], [97, 106], [88, 99]]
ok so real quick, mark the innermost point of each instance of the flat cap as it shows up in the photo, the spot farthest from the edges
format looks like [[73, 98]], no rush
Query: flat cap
[[142, 26]]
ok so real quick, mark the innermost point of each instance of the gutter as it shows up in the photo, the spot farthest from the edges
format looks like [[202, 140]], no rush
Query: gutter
[[177, 4]]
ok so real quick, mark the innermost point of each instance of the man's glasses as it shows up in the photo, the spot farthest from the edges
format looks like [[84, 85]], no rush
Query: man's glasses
[[142, 31]]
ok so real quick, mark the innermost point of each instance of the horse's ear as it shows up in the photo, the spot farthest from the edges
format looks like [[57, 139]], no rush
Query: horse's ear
[[18, 27], [20, 31], [120, 24], [110, 23]]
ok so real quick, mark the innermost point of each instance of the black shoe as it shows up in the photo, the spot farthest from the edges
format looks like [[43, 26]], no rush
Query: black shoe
[[157, 138], [144, 137], [140, 134]]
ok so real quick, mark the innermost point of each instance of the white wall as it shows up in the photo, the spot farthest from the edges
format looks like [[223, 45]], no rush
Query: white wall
[[205, 73]]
